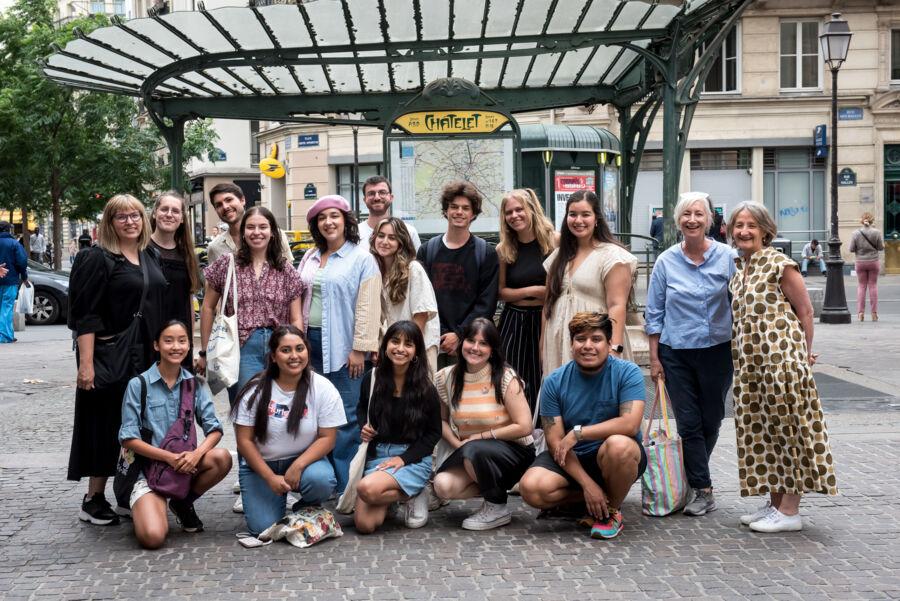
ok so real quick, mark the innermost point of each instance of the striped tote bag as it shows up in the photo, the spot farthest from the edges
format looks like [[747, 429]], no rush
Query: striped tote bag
[[664, 487]]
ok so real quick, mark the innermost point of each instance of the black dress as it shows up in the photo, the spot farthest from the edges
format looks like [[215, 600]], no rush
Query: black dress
[[103, 301], [178, 295]]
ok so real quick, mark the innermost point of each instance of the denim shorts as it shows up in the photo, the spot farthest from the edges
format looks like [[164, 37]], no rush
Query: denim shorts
[[412, 478]]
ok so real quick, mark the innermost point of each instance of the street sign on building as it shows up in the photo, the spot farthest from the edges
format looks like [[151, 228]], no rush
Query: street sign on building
[[310, 192], [307, 140], [820, 139], [847, 177], [850, 113]]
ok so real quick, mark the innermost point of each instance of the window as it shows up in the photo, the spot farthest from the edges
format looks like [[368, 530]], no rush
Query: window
[[98, 6], [345, 182], [652, 160], [800, 55], [895, 54], [794, 192], [254, 143], [713, 160], [287, 143], [119, 7], [725, 73]]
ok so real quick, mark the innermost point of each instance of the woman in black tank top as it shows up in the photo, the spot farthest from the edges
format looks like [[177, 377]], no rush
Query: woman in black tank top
[[526, 238]]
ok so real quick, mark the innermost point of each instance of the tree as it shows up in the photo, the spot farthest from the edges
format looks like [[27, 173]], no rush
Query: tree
[[66, 151]]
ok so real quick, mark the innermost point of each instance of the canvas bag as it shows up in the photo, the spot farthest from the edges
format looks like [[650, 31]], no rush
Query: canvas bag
[[664, 486], [162, 478], [223, 351], [357, 466]]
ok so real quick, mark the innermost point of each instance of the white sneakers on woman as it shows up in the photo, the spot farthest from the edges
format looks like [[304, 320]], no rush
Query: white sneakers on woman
[[768, 519], [490, 515], [759, 514]]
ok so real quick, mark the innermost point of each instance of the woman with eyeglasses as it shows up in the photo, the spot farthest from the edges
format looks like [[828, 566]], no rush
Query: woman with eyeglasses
[[173, 241], [106, 287]]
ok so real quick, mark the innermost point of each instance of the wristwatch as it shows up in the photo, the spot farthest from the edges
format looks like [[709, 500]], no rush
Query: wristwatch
[[578, 434], [618, 348], [202, 354]]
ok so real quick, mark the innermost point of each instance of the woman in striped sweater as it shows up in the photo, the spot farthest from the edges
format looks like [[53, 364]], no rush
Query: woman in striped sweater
[[487, 421]]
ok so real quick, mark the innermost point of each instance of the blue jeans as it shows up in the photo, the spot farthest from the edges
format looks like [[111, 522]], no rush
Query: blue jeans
[[263, 507], [805, 264], [348, 434], [254, 354], [8, 296]]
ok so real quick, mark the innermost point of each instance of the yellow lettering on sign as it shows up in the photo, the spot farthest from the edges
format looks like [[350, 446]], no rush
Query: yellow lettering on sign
[[451, 122]]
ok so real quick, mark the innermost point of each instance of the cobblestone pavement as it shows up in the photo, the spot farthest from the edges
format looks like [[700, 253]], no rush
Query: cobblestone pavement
[[849, 548]]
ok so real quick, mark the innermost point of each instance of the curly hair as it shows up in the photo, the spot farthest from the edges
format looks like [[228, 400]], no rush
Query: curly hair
[[395, 278], [464, 189]]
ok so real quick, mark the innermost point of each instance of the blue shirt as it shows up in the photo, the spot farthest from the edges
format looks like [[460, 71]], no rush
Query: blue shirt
[[163, 405], [12, 253], [687, 304], [589, 399]]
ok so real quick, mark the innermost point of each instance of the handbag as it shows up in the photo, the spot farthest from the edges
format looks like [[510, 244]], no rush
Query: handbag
[[119, 358], [223, 351], [130, 465], [357, 466], [162, 478], [664, 486]]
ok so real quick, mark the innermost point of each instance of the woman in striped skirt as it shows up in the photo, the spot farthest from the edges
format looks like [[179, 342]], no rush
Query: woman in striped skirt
[[527, 237], [487, 421]]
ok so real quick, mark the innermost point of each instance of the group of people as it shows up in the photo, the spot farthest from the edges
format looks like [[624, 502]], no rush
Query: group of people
[[378, 338]]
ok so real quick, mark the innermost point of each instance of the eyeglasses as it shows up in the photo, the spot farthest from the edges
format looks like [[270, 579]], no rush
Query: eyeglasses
[[126, 217], [382, 193]]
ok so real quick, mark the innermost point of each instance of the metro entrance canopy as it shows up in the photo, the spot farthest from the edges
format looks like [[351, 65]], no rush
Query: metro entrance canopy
[[358, 61]]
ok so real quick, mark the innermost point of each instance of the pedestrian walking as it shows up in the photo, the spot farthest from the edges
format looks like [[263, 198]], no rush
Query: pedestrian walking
[[406, 292], [590, 271], [866, 243], [487, 423], [782, 440], [401, 422], [110, 285], [526, 239], [285, 421], [173, 241], [341, 311], [162, 388], [689, 328], [14, 264]]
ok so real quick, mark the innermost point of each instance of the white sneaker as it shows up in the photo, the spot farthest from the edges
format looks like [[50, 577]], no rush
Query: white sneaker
[[417, 510], [775, 521], [759, 514], [236, 487], [291, 501], [491, 515], [238, 506]]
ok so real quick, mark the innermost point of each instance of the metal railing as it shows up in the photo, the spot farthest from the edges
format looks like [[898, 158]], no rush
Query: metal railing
[[649, 253]]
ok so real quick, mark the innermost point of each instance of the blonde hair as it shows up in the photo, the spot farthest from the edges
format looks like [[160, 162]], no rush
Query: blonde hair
[[544, 232], [867, 219], [107, 238], [396, 279], [689, 199], [760, 214]]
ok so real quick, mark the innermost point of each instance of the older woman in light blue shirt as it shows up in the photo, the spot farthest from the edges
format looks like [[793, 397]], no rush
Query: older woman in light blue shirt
[[689, 326]]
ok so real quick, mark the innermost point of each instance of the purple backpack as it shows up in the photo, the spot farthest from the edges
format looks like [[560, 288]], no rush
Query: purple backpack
[[182, 436]]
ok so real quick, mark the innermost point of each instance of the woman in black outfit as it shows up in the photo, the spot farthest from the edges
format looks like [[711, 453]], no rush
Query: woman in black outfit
[[174, 243], [403, 426], [527, 237], [105, 289]]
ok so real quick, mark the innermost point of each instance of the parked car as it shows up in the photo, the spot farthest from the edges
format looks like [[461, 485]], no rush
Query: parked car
[[51, 294]]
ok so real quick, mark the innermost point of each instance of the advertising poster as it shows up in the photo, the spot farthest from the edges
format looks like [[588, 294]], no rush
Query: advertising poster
[[567, 182]]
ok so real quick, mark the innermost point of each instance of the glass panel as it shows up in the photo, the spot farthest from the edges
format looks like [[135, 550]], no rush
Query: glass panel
[[436, 20], [565, 18], [891, 208], [97, 7], [731, 75], [793, 158], [598, 15], [895, 54], [788, 72], [661, 17], [569, 68], [366, 21], [159, 34], [198, 29], [328, 22], [810, 71], [534, 15], [287, 25], [401, 21], [810, 37], [714, 80], [624, 62], [788, 38], [119, 7], [769, 191], [248, 33], [793, 205], [731, 43], [631, 15], [819, 205]]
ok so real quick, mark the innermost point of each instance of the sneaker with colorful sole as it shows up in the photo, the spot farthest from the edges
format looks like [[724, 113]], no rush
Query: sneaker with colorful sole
[[610, 527]]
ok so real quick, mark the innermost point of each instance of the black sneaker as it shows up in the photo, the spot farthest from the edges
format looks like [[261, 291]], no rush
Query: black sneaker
[[97, 511], [186, 516]]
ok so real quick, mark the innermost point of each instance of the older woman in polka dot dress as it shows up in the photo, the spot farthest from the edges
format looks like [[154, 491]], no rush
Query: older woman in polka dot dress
[[782, 442]]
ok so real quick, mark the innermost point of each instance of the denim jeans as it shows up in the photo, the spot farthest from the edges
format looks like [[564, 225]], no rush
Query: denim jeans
[[697, 381], [805, 264], [253, 359], [263, 507], [348, 434], [8, 295]]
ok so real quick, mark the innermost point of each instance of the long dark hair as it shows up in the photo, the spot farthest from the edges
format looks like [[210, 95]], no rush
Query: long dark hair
[[418, 391], [395, 279], [351, 230], [498, 364], [184, 240], [568, 245], [274, 252], [259, 389]]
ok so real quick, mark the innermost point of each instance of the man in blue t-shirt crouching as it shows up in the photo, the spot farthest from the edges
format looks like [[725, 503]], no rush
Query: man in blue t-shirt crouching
[[591, 410]]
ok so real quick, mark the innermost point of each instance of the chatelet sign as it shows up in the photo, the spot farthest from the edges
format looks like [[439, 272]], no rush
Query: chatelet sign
[[451, 122]]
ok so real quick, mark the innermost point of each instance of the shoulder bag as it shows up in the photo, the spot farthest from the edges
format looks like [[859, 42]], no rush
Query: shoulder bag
[[357, 465], [223, 351], [664, 486], [162, 478]]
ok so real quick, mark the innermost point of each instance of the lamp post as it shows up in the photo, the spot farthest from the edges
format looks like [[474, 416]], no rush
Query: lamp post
[[835, 41]]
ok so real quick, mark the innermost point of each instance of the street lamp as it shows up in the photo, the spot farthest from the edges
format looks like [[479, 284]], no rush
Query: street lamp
[[835, 41]]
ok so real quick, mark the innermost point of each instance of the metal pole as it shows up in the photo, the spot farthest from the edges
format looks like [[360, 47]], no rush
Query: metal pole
[[354, 193], [834, 307]]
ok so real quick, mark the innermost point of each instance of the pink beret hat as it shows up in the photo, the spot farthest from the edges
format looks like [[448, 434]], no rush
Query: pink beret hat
[[332, 201]]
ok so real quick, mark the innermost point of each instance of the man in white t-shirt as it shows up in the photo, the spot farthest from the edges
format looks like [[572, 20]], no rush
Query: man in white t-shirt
[[379, 197], [282, 452], [38, 245]]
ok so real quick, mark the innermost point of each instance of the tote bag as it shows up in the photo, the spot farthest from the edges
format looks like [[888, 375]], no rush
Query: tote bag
[[223, 351], [664, 487], [357, 466]]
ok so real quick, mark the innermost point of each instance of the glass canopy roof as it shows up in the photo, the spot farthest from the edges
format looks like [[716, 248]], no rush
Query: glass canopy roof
[[312, 52]]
